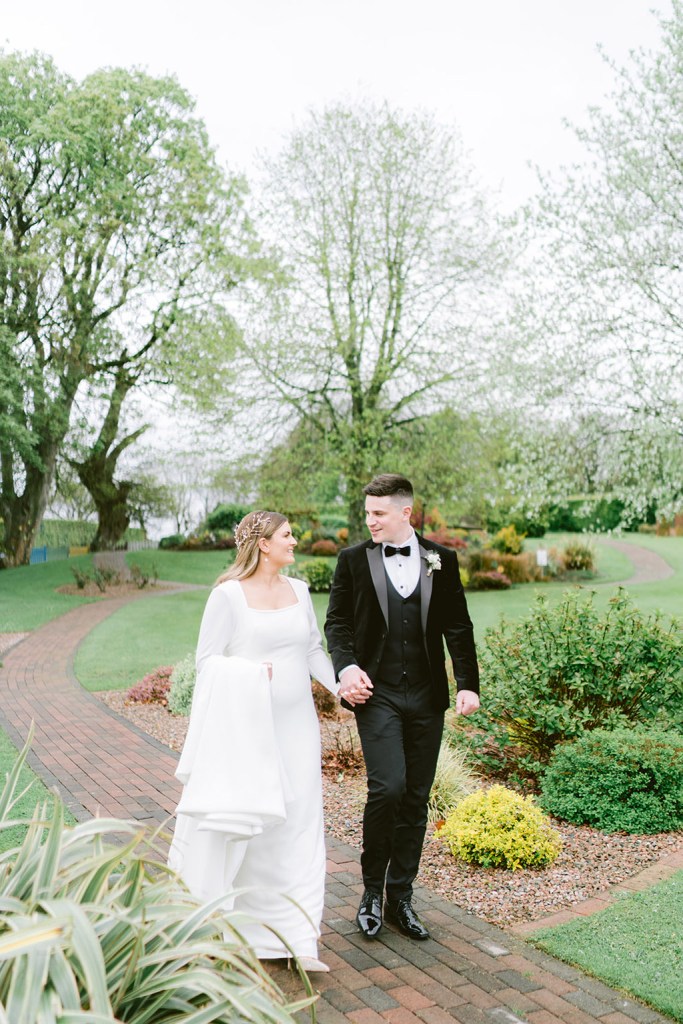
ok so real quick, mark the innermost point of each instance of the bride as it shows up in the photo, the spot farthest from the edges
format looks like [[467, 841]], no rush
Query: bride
[[250, 822]]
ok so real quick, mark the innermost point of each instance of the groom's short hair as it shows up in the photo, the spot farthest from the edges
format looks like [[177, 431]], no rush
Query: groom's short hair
[[390, 485]]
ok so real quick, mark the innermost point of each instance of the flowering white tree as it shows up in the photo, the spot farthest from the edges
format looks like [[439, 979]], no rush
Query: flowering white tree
[[607, 299]]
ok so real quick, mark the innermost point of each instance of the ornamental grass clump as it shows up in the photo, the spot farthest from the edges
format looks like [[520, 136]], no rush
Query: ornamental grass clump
[[95, 927], [454, 779], [183, 678], [618, 781], [498, 828]]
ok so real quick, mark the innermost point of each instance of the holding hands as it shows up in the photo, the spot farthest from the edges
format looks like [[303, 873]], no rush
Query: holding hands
[[355, 686]]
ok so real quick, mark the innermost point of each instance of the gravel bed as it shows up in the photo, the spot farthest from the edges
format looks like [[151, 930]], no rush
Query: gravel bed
[[590, 861]]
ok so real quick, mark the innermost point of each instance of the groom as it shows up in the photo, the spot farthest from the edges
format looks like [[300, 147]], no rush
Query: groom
[[394, 601]]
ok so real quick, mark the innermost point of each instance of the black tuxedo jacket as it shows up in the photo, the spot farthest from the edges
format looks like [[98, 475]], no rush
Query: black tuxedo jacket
[[358, 615]]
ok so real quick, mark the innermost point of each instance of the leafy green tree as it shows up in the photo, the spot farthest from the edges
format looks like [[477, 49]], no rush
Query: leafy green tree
[[118, 242], [391, 259]]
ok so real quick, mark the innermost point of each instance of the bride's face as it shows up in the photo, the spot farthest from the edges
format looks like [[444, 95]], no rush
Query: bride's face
[[281, 546]]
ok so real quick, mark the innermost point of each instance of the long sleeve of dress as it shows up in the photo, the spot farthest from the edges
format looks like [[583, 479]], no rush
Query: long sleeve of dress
[[319, 664], [217, 626]]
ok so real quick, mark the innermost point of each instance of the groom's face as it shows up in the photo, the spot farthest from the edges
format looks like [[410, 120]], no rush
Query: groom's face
[[388, 519]]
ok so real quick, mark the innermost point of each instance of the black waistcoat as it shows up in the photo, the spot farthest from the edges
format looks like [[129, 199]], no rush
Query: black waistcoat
[[404, 658]]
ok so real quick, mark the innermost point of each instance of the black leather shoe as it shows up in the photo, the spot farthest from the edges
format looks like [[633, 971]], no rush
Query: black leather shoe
[[369, 916], [402, 914]]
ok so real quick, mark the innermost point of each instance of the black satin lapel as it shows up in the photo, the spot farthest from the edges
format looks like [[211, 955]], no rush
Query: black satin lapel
[[379, 579], [426, 583]]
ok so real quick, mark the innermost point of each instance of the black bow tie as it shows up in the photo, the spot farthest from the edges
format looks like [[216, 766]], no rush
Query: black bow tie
[[390, 550]]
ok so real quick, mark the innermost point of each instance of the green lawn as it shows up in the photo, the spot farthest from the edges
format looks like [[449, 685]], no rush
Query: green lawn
[[26, 805], [667, 595], [28, 597], [139, 637], [636, 945], [146, 634], [486, 608]]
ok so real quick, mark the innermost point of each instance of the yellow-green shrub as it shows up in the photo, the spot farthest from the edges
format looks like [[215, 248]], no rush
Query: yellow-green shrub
[[497, 827], [508, 541]]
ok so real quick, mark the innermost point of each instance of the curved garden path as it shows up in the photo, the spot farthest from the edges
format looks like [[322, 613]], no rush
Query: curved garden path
[[468, 972], [648, 565]]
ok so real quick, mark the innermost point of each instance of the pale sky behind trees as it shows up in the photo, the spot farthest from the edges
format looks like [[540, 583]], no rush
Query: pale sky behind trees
[[505, 72]]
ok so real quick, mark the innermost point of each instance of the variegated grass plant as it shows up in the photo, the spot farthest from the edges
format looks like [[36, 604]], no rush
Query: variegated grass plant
[[454, 780], [95, 928]]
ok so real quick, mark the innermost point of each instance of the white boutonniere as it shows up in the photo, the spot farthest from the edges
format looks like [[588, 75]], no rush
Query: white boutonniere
[[433, 560]]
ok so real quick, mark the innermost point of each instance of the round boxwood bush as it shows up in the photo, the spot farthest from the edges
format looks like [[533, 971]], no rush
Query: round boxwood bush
[[498, 828], [171, 542], [316, 572], [620, 780]]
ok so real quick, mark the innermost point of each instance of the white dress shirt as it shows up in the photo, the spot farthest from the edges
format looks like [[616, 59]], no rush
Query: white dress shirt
[[404, 572]]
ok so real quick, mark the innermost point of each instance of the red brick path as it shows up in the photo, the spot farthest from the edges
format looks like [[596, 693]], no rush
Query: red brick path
[[468, 971]]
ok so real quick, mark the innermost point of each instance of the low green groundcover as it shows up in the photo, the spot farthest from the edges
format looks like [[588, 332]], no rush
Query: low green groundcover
[[636, 945]]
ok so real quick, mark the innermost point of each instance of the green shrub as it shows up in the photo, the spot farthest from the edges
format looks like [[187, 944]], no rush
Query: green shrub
[[305, 540], [58, 533], [226, 516], [622, 780], [141, 577], [183, 678], [81, 576], [95, 927], [590, 514], [333, 521], [172, 541], [454, 780], [567, 669], [480, 559], [317, 573], [105, 577], [498, 828], [508, 541], [578, 556]]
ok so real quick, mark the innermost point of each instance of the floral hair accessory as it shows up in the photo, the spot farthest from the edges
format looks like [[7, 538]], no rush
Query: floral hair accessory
[[258, 521], [433, 560]]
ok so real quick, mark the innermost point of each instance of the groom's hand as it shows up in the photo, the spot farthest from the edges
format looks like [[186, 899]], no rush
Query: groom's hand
[[355, 686], [466, 702]]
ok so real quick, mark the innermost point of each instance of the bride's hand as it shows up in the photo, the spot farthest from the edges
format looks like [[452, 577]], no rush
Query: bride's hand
[[269, 666]]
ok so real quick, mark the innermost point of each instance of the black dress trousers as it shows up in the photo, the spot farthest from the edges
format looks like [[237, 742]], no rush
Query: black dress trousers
[[400, 734]]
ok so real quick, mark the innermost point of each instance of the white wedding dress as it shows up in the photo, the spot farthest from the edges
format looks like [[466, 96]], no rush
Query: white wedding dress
[[276, 878]]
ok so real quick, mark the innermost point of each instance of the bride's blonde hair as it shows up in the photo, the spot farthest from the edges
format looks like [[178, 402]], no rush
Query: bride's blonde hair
[[247, 535]]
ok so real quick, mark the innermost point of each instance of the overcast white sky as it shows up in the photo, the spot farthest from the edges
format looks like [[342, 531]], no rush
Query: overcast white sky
[[506, 72]]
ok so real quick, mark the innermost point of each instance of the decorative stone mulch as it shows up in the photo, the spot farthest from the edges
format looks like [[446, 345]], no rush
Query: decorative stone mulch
[[590, 861]]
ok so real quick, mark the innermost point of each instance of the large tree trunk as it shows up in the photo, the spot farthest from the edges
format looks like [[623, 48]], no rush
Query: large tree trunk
[[355, 508], [111, 501], [22, 513], [96, 471]]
